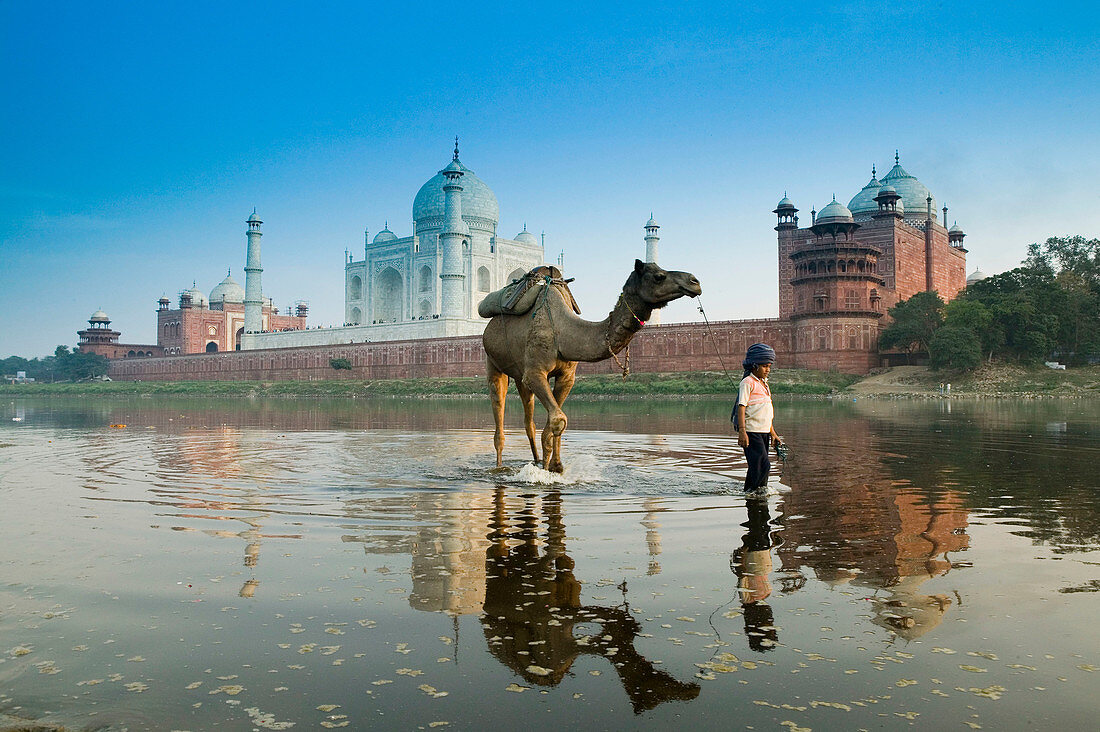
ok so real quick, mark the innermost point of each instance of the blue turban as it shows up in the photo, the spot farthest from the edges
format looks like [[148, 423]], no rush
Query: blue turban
[[758, 355]]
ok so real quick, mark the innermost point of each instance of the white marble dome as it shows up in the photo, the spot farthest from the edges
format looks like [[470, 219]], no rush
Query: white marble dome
[[526, 236], [976, 276], [198, 297], [385, 235], [99, 317], [228, 290], [479, 203]]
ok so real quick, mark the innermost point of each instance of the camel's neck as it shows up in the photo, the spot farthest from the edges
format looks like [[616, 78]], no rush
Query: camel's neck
[[588, 341]]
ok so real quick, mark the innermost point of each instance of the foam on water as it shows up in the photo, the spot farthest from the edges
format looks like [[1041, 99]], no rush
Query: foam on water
[[579, 470]]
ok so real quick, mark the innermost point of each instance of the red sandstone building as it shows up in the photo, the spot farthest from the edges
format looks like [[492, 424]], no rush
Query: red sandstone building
[[838, 277], [200, 325], [100, 338]]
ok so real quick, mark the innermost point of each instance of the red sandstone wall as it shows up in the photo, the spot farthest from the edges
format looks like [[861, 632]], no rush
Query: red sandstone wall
[[662, 348]]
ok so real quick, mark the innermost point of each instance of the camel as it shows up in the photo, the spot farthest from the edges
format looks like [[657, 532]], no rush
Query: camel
[[548, 342]]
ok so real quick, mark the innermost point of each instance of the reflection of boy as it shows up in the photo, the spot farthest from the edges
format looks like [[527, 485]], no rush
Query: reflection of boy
[[754, 415], [752, 564]]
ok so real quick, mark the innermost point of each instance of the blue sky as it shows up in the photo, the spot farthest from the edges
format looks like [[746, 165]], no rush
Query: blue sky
[[136, 139]]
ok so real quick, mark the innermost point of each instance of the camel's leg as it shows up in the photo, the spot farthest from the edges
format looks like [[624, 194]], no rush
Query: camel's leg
[[498, 388], [555, 418], [562, 386], [528, 399]]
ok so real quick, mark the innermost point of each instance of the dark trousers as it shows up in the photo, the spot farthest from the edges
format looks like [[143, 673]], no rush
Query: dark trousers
[[759, 465]]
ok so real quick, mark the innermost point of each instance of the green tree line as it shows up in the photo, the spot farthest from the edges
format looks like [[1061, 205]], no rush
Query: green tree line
[[1048, 307], [63, 365]]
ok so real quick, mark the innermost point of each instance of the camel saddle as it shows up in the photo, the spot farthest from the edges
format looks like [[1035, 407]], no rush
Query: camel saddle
[[520, 295]]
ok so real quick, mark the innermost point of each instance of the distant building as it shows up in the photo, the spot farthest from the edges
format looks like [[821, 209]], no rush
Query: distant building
[[101, 339], [839, 275], [208, 325], [410, 303], [428, 284], [201, 324]]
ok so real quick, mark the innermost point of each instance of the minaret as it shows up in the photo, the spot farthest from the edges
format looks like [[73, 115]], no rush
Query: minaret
[[651, 240], [787, 228], [453, 285], [253, 290], [929, 248]]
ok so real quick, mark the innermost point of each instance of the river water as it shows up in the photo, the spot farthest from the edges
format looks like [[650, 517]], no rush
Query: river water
[[200, 564]]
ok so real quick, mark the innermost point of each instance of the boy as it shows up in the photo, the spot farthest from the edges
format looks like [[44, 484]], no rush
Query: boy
[[754, 415]]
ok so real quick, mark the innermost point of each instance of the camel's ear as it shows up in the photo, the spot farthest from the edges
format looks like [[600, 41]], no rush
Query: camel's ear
[[639, 266]]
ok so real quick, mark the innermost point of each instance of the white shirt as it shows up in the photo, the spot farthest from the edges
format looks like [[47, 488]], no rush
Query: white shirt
[[756, 397]]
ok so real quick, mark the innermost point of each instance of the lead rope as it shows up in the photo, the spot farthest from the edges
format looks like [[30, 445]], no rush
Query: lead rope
[[713, 344], [607, 340]]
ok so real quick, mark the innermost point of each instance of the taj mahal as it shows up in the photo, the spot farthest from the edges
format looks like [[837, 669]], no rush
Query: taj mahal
[[452, 259], [427, 284]]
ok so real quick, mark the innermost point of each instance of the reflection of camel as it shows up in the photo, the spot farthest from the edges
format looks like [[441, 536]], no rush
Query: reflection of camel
[[533, 608], [550, 340], [752, 564]]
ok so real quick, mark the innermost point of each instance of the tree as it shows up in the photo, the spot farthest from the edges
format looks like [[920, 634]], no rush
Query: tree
[[973, 315], [915, 320], [955, 347]]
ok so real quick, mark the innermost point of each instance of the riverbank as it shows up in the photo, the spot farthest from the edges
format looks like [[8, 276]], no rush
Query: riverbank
[[899, 382]]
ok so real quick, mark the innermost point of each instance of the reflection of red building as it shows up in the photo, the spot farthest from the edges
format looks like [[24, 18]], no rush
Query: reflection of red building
[[846, 523]]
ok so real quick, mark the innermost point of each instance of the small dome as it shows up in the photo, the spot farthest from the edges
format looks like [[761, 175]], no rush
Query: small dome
[[864, 201], [976, 276], [651, 224], [835, 212], [785, 203], [254, 219], [899, 205], [227, 291], [198, 299], [956, 229], [385, 235], [477, 199], [913, 193], [99, 317], [527, 237]]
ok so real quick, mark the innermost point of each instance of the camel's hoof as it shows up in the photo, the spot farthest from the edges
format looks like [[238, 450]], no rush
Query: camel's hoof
[[556, 468]]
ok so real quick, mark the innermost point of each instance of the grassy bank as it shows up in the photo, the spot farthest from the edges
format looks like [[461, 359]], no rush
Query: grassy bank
[[784, 381], [991, 380]]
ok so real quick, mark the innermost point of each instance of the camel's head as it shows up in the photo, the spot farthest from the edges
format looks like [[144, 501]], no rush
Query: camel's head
[[658, 287]]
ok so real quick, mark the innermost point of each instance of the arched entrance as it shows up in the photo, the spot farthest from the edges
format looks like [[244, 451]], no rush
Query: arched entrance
[[212, 347], [388, 296]]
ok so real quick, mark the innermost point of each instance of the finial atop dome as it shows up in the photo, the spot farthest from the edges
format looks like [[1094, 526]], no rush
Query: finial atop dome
[[874, 173], [897, 158], [456, 147]]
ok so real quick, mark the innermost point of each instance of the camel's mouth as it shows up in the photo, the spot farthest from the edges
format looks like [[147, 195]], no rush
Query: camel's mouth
[[691, 289], [687, 284]]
